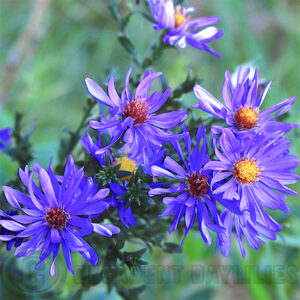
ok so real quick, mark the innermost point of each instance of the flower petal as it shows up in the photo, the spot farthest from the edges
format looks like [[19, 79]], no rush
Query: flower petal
[[97, 92]]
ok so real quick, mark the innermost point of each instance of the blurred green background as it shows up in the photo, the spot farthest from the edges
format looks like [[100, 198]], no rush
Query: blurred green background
[[48, 47]]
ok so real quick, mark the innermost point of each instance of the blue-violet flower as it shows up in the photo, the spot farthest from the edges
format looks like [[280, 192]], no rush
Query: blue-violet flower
[[57, 214]]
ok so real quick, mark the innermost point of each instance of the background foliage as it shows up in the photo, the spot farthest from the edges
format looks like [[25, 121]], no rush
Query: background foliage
[[48, 47]]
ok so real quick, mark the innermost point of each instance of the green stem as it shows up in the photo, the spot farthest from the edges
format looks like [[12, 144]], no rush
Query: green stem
[[156, 52], [74, 137]]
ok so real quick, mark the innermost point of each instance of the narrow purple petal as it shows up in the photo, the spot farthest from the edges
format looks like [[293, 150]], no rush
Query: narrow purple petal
[[47, 188], [156, 101], [158, 171], [143, 88], [209, 103], [173, 166], [67, 256], [217, 166], [168, 120], [97, 92], [113, 95], [11, 225], [104, 230], [158, 191]]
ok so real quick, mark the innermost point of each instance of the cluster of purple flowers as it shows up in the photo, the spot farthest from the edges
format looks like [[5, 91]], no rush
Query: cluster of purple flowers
[[251, 169], [253, 164], [243, 178], [248, 172]]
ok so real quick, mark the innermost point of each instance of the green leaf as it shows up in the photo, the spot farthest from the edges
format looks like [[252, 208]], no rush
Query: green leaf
[[288, 240], [115, 10], [126, 43], [172, 248], [21, 151], [186, 86]]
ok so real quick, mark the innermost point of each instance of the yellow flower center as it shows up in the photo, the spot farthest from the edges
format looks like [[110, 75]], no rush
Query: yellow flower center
[[246, 118], [180, 16], [179, 19], [127, 164], [246, 171]]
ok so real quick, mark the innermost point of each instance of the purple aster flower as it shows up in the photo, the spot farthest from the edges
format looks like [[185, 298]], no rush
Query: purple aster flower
[[193, 189], [3, 231], [128, 163], [125, 213], [146, 158], [92, 147], [5, 137], [181, 29], [253, 232], [135, 116], [241, 108], [57, 214], [256, 171]]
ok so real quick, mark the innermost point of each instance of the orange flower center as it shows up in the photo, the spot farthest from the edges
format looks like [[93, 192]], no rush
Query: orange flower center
[[180, 16], [179, 19], [137, 110], [246, 118], [246, 171]]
